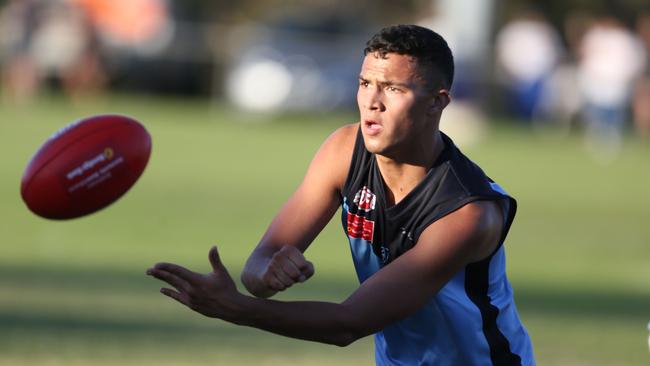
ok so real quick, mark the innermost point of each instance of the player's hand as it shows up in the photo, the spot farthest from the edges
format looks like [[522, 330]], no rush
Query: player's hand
[[286, 267], [213, 294]]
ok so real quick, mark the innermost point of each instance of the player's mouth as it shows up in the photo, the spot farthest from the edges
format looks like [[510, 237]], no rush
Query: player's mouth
[[371, 127]]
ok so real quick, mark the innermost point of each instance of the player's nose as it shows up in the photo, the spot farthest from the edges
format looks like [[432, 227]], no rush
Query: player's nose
[[370, 99]]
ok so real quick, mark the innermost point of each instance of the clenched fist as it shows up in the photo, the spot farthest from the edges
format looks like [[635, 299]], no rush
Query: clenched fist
[[267, 273]]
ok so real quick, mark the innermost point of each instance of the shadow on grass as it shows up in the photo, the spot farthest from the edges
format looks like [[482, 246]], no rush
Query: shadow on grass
[[545, 302], [51, 322], [586, 304]]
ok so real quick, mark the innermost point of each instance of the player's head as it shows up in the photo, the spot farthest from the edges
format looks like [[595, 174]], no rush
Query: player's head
[[427, 47]]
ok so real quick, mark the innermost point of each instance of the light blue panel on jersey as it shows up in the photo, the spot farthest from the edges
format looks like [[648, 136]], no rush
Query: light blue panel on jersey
[[366, 262], [446, 331], [508, 322]]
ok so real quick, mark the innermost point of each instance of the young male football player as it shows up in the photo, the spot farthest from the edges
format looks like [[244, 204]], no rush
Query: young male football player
[[426, 228]]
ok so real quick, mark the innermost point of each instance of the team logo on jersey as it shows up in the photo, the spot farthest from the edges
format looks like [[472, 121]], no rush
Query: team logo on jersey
[[365, 199], [360, 227]]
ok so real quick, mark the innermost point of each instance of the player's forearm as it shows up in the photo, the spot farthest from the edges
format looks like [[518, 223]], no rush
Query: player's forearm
[[250, 275], [314, 321]]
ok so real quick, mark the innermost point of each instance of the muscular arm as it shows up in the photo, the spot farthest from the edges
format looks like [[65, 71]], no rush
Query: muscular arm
[[278, 262], [468, 235]]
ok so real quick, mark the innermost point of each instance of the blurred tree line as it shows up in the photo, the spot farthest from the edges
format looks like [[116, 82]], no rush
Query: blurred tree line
[[557, 10], [381, 12], [200, 49], [251, 10], [384, 11]]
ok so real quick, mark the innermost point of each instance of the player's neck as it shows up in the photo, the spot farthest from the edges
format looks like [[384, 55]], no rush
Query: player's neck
[[403, 174]]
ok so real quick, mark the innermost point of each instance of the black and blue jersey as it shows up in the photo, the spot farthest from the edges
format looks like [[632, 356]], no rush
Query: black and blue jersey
[[472, 320]]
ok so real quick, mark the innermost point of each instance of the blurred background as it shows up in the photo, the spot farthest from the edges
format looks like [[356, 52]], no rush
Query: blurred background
[[551, 98]]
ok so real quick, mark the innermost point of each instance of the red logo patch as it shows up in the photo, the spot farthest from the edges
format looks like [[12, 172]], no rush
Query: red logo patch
[[360, 228], [365, 199]]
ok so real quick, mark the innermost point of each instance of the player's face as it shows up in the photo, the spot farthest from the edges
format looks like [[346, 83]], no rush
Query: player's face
[[398, 107]]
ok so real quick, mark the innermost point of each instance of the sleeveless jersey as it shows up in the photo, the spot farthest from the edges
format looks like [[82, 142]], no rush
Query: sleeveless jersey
[[472, 320]]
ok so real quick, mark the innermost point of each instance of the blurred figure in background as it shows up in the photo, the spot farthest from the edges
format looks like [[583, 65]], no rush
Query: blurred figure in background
[[466, 24], [527, 51], [19, 76], [48, 41], [641, 102], [610, 60], [140, 26], [561, 102], [79, 45]]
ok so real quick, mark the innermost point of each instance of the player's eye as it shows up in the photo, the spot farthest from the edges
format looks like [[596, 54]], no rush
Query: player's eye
[[363, 83]]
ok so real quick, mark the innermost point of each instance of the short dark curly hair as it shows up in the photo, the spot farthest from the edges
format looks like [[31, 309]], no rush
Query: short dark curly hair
[[425, 45]]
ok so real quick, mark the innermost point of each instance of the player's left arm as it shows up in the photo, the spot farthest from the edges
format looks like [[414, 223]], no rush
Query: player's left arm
[[468, 235]]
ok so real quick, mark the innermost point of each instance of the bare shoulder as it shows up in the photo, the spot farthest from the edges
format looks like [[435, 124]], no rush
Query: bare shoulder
[[335, 154], [474, 228], [342, 140], [482, 215]]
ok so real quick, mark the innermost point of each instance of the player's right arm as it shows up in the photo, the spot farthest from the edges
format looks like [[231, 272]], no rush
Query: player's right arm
[[278, 261]]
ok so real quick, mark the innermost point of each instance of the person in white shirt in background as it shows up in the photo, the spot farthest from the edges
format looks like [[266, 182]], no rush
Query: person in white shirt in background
[[611, 59], [527, 51]]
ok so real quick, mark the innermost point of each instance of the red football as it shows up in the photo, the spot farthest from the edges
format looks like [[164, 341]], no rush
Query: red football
[[85, 166]]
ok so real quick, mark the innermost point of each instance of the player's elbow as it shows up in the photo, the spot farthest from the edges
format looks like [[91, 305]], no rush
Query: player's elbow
[[351, 330], [345, 339]]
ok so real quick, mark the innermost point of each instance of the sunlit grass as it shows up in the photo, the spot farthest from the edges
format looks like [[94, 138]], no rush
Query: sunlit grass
[[74, 292]]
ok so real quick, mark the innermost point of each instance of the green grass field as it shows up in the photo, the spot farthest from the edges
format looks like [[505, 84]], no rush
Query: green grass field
[[75, 293]]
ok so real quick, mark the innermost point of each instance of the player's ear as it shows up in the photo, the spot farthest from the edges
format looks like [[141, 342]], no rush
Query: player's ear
[[440, 101]]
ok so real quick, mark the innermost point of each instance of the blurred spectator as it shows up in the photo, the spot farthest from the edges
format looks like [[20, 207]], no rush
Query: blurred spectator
[[641, 103], [19, 76], [46, 41], [147, 45], [611, 60], [561, 102], [465, 24], [527, 50], [142, 26]]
